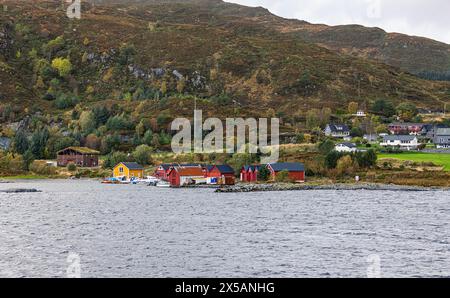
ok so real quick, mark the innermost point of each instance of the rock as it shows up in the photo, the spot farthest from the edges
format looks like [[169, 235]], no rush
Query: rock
[[20, 190], [350, 187]]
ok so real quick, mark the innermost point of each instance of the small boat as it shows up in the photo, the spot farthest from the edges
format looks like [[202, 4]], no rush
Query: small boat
[[162, 184], [148, 180], [111, 180]]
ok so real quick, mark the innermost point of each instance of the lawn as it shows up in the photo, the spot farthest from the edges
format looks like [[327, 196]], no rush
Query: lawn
[[438, 159]]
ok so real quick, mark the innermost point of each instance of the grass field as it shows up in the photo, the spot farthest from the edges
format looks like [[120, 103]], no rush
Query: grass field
[[438, 159]]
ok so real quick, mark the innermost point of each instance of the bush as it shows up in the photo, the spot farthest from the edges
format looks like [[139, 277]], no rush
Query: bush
[[142, 155], [114, 158], [71, 167], [263, 174], [283, 176], [41, 168]]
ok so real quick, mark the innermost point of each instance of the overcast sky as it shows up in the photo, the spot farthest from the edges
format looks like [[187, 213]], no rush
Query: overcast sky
[[428, 18]]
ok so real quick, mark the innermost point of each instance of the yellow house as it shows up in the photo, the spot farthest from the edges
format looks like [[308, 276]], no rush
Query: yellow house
[[129, 170]]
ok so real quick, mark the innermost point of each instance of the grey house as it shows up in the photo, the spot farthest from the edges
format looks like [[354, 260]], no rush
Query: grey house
[[337, 131], [442, 138]]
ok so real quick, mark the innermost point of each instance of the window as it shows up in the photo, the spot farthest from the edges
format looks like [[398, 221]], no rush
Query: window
[[121, 170]]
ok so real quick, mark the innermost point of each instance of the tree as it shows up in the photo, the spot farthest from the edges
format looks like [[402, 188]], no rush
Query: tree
[[238, 160], [326, 147], [406, 111], [180, 85], [345, 165], [87, 122], [28, 159], [312, 118], [112, 159], [383, 107], [148, 137], [62, 65], [142, 154], [38, 143], [356, 132], [21, 143], [263, 174], [353, 107]]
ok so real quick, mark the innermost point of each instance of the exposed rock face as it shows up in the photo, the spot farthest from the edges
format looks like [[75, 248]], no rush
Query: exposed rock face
[[6, 40]]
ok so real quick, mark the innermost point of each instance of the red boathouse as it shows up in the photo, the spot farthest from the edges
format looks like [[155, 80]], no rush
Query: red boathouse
[[296, 170]]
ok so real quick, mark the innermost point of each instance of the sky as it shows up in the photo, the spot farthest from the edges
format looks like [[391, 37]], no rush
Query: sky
[[427, 18]]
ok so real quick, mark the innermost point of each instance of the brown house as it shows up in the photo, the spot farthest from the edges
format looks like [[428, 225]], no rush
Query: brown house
[[80, 156]]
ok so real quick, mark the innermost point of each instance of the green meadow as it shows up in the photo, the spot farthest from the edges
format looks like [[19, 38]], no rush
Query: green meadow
[[438, 159]]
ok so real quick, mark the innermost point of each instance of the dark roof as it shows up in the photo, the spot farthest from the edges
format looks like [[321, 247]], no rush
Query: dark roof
[[338, 127], [225, 169], [209, 167], [349, 145], [133, 165], [288, 166], [399, 138], [167, 166]]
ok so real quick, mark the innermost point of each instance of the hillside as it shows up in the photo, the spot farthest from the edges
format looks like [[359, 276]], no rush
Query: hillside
[[159, 55]]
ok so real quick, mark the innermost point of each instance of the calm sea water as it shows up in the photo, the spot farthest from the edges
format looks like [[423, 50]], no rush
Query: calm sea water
[[140, 231]]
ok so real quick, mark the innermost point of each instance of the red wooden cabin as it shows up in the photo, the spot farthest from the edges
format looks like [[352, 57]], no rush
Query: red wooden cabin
[[250, 173], [296, 170], [80, 156], [224, 172]]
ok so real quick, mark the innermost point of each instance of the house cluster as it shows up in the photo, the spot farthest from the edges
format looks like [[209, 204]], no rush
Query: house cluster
[[189, 174], [294, 170], [406, 136]]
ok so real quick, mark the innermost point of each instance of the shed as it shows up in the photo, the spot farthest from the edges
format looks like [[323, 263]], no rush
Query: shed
[[296, 170], [80, 156], [128, 170]]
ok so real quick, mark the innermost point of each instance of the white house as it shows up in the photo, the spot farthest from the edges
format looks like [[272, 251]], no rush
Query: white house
[[406, 142], [360, 113], [345, 147], [337, 131]]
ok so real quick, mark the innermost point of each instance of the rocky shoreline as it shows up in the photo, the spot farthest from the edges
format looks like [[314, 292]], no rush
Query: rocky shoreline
[[350, 187]]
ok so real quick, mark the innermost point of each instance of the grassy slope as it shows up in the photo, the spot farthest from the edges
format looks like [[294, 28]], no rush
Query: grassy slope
[[236, 41], [438, 159]]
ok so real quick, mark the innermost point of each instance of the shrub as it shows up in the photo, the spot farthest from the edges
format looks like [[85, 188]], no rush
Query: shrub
[[71, 167], [264, 174], [283, 176], [142, 154], [41, 168]]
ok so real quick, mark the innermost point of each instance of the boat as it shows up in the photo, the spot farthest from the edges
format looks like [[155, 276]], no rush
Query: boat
[[162, 184], [148, 180]]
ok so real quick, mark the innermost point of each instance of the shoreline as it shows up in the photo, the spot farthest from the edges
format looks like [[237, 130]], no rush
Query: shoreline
[[243, 188]]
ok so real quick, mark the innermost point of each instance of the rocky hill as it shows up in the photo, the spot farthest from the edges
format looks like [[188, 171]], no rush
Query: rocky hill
[[228, 56]]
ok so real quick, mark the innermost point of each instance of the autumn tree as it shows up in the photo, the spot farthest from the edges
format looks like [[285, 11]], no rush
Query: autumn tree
[[62, 65]]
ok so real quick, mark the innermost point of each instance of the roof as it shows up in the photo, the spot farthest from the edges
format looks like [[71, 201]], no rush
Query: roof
[[132, 165], [167, 166], [338, 127], [349, 145], [251, 167], [82, 150], [288, 166], [443, 132], [189, 171], [209, 167], [399, 138], [225, 169]]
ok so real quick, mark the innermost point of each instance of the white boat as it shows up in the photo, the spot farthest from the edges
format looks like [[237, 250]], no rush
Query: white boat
[[148, 180], [162, 184]]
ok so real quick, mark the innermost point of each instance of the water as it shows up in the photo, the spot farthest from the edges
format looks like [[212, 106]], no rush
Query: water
[[139, 231]]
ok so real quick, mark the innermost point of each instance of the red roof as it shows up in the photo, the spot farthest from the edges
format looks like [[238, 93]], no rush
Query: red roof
[[190, 171]]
